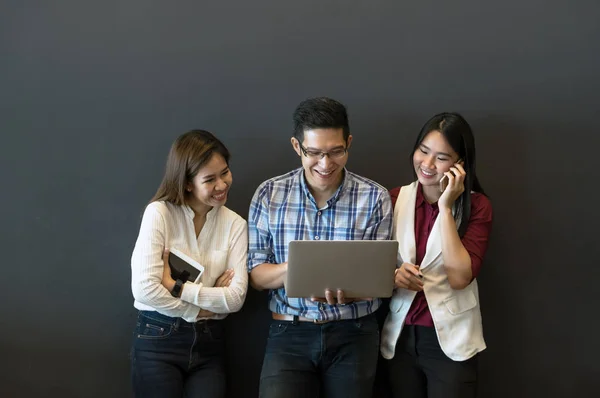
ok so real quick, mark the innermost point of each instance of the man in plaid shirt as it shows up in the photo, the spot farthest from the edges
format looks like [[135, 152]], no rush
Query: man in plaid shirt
[[321, 346]]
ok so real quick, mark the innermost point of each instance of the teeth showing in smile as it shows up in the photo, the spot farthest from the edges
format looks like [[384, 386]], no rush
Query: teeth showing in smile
[[323, 173], [220, 196], [428, 174]]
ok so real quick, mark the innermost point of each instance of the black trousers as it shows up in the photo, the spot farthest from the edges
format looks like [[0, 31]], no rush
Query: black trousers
[[420, 369]]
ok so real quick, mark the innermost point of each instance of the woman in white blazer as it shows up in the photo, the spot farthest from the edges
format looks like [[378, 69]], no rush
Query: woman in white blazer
[[442, 221], [178, 344]]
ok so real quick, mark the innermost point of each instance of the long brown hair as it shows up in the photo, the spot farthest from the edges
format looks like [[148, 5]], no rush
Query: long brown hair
[[188, 154]]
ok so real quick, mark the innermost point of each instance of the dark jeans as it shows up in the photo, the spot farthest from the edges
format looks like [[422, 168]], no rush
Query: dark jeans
[[420, 369], [306, 360], [173, 358]]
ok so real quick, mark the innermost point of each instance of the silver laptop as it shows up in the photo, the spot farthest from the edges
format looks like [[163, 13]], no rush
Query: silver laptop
[[361, 268]]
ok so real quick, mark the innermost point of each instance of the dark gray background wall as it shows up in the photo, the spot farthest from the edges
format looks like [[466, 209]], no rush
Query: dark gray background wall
[[93, 93]]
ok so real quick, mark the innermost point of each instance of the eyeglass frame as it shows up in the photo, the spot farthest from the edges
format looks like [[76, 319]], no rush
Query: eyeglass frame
[[322, 154]]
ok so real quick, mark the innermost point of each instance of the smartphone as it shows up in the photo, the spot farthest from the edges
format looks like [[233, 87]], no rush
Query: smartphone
[[179, 262], [443, 183]]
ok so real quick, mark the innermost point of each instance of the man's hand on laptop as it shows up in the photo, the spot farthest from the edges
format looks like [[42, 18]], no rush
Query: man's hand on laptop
[[332, 298]]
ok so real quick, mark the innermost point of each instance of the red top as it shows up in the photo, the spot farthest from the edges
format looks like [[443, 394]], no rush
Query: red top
[[475, 241]]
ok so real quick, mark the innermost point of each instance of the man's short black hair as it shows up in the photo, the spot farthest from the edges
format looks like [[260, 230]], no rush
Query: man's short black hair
[[320, 112]]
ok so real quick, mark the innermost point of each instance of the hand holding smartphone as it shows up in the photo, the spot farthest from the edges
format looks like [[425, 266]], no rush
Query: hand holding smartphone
[[444, 179]]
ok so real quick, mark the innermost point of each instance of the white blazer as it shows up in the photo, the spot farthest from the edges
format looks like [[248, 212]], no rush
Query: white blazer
[[456, 314]]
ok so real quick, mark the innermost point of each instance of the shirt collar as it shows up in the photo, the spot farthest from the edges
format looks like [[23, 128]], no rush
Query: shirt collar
[[189, 212], [343, 186], [421, 201]]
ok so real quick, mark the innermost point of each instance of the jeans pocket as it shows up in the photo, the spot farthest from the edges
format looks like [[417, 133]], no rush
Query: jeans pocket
[[148, 330], [366, 325], [214, 330], [277, 328]]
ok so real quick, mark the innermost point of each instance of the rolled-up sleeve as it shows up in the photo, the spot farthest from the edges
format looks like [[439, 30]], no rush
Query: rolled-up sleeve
[[380, 223], [260, 241], [476, 237]]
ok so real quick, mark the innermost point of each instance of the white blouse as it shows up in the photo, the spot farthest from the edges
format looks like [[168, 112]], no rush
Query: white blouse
[[221, 245]]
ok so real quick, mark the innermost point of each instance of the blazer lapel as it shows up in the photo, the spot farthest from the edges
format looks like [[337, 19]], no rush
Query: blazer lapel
[[404, 219], [434, 245]]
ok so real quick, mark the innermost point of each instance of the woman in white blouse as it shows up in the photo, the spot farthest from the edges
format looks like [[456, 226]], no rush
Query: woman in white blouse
[[178, 346]]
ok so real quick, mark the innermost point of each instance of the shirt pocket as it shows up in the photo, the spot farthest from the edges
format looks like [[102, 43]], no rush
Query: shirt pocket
[[215, 265], [341, 233]]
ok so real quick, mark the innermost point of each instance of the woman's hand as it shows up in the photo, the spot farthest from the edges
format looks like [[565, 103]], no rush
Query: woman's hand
[[225, 279], [409, 277], [205, 314], [222, 281], [455, 188]]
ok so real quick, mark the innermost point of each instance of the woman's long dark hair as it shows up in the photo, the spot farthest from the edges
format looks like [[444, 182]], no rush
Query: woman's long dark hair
[[188, 154], [459, 135]]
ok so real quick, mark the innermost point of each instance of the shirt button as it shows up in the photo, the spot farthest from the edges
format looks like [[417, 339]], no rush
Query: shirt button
[[318, 213], [316, 237]]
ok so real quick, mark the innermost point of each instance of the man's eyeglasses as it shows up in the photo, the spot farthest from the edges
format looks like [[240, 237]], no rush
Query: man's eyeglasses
[[333, 154]]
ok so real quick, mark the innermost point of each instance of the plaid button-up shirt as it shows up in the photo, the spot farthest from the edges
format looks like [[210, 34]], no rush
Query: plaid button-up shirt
[[283, 209]]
